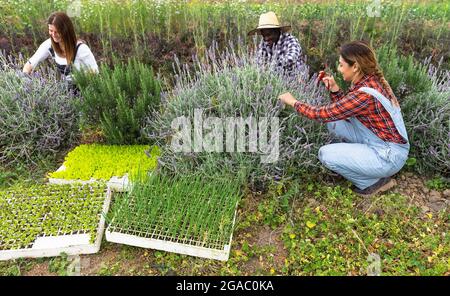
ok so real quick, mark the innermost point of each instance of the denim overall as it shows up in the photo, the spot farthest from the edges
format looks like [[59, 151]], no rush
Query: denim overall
[[364, 159], [64, 69]]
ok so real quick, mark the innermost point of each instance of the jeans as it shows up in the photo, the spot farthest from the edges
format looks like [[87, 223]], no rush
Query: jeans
[[364, 159]]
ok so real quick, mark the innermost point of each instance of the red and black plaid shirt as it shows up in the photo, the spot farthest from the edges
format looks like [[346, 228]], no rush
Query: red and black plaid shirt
[[355, 103]]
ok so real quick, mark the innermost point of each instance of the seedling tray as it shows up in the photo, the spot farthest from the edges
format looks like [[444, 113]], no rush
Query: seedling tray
[[116, 183], [74, 241], [149, 234], [113, 164]]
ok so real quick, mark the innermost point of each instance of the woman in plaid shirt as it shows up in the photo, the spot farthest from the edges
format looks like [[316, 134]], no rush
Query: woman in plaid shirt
[[367, 119]]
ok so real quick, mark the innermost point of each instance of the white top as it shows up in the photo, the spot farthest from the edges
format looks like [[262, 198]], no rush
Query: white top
[[84, 58]]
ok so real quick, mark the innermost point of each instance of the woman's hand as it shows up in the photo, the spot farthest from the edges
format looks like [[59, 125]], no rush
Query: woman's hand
[[287, 99], [330, 83], [27, 68]]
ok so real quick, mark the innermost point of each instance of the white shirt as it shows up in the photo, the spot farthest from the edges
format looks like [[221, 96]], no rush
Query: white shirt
[[84, 58]]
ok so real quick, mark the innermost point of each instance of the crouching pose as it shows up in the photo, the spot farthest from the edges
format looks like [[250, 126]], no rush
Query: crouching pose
[[367, 120]]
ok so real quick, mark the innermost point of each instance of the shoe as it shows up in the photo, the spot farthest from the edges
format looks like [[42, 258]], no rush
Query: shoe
[[382, 185]]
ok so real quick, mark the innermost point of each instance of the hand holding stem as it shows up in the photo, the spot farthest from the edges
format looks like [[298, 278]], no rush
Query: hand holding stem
[[330, 83], [287, 99]]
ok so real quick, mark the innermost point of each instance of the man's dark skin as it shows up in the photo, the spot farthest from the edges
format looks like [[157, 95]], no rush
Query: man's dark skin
[[271, 36]]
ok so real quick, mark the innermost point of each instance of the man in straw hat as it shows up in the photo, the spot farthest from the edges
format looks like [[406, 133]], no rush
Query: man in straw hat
[[278, 44]]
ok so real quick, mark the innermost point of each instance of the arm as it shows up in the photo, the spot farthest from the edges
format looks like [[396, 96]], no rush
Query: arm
[[261, 53], [350, 105], [293, 53], [336, 96], [41, 54], [27, 68], [86, 59]]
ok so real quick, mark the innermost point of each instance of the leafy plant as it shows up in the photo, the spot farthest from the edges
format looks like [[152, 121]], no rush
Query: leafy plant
[[118, 100], [404, 73], [59, 265], [102, 162], [336, 236], [438, 183]]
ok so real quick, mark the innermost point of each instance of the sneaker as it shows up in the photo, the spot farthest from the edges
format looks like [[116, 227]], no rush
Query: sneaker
[[382, 185]]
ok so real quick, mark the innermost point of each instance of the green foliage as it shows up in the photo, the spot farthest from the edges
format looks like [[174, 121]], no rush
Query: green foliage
[[15, 267], [118, 100], [404, 73], [59, 265], [321, 26], [275, 209], [334, 237], [438, 183], [190, 209], [102, 162], [6, 178], [50, 210]]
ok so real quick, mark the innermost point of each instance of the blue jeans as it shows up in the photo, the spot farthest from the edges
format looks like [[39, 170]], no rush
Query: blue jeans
[[364, 159]]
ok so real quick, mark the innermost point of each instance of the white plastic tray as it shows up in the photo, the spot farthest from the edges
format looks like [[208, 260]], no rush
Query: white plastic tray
[[119, 184], [122, 237], [74, 244]]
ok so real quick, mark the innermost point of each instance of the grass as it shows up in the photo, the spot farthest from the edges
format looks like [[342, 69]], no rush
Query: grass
[[334, 237]]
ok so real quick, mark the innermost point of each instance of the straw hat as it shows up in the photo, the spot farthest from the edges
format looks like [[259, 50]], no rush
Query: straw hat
[[268, 21]]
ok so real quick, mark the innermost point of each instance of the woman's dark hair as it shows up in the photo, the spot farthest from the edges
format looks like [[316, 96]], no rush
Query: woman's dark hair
[[64, 26]]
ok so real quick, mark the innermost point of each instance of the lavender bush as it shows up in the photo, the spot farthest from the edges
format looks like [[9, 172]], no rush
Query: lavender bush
[[427, 119], [37, 115], [232, 84]]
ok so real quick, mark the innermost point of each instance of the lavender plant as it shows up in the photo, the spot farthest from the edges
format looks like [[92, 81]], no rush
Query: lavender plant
[[427, 119], [233, 84], [38, 117]]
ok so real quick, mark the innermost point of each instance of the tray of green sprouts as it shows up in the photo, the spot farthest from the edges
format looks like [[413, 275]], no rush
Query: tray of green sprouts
[[46, 220], [189, 214], [113, 164]]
